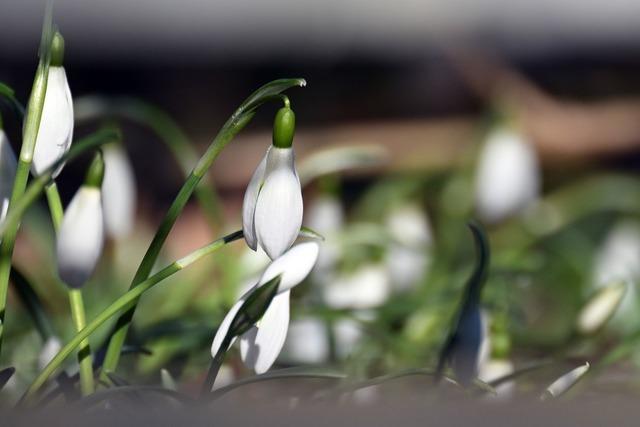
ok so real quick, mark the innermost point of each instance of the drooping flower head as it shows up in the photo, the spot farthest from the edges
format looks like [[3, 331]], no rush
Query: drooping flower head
[[272, 206], [261, 344], [81, 235], [56, 124]]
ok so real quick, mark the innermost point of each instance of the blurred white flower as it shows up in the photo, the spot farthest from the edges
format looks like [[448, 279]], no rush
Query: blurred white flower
[[364, 288], [7, 173], [118, 192], [508, 175], [348, 334], [307, 342], [56, 124], [326, 216], [618, 260], [51, 347], [261, 345], [494, 369], [81, 237], [272, 206], [565, 382], [407, 256]]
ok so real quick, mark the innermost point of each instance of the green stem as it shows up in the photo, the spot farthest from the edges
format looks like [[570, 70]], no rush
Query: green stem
[[214, 368], [32, 124], [76, 301], [237, 121], [122, 303]]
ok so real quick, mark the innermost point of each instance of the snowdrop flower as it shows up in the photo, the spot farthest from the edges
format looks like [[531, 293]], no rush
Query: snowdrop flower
[[260, 345], [118, 192], [81, 235], [565, 382], [508, 175], [7, 173], [367, 287], [56, 124], [272, 206], [407, 256]]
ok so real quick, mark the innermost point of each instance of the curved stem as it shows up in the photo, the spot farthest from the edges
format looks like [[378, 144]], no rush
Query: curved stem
[[34, 113], [238, 120], [122, 303]]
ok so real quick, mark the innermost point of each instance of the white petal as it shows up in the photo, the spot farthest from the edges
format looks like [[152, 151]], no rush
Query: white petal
[[249, 203], [508, 176], [294, 265], [261, 345], [224, 327], [81, 237], [56, 125], [7, 173], [118, 192], [565, 382], [278, 214]]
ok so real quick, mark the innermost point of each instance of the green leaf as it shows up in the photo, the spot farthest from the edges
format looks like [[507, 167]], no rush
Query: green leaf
[[254, 307], [9, 95], [309, 233], [32, 303], [268, 92]]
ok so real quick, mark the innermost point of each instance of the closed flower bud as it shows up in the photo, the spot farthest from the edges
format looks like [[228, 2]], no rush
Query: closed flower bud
[[56, 124], [118, 192], [81, 235], [272, 207]]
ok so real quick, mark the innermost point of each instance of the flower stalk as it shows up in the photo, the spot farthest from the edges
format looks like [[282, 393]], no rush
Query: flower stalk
[[31, 127]]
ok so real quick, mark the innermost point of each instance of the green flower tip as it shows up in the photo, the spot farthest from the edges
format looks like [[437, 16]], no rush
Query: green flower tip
[[95, 172], [57, 50], [284, 126]]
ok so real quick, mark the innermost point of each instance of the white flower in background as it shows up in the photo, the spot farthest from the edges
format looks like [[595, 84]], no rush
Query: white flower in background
[[56, 124], [51, 347], [494, 369], [618, 260], [307, 342], [348, 334], [407, 256], [508, 175], [326, 216], [272, 206], [565, 382], [366, 287], [7, 173], [118, 192], [260, 345], [81, 236]]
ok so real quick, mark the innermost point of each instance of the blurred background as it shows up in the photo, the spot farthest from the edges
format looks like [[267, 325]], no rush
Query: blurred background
[[524, 115]]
